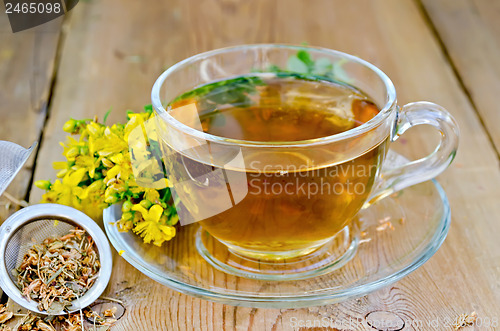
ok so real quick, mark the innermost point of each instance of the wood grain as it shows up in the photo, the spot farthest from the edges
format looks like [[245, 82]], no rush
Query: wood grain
[[26, 71], [114, 51], [469, 30]]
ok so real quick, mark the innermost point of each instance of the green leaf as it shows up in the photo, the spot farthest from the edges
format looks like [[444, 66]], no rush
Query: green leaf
[[128, 113], [232, 91], [57, 273], [106, 115], [294, 64], [323, 66], [305, 57], [57, 307]]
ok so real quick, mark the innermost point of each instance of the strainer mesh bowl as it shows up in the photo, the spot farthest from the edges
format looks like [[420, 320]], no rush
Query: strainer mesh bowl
[[12, 160], [34, 232], [32, 225]]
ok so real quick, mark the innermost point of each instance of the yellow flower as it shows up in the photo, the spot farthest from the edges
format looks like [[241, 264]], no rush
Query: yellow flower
[[66, 191], [49, 196], [121, 168], [98, 171], [63, 167], [135, 121], [72, 148], [151, 215], [93, 206], [174, 219], [111, 195], [94, 189], [94, 129], [70, 126], [109, 143], [152, 195], [74, 178], [150, 229], [88, 162]]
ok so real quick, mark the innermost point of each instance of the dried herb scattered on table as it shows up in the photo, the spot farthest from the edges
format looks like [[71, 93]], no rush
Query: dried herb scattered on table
[[5, 316], [71, 322], [464, 320], [107, 320], [32, 322], [59, 270]]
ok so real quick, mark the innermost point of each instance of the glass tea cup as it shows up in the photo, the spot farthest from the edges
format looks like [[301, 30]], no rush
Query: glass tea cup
[[279, 207]]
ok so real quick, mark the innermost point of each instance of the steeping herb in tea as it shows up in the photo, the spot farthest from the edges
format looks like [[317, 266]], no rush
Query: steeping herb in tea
[[59, 270], [238, 91]]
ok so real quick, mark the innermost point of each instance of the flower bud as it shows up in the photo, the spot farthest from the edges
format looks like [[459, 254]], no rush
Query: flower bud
[[62, 173], [43, 184], [72, 153], [145, 203], [70, 126], [164, 219], [84, 150], [127, 216], [110, 196], [107, 163], [174, 219], [127, 205], [111, 199], [95, 186]]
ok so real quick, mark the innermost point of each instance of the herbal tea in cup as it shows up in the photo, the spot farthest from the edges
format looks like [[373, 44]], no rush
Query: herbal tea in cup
[[273, 149], [292, 205]]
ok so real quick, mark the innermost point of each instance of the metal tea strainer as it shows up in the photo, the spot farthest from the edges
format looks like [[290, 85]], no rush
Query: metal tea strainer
[[12, 159], [32, 225]]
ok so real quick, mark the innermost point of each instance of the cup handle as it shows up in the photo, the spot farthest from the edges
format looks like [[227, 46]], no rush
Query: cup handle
[[426, 168]]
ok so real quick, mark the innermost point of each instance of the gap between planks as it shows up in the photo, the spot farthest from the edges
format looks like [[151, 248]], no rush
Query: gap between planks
[[53, 81], [427, 18]]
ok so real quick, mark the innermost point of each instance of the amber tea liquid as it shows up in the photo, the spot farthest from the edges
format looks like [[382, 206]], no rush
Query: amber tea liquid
[[288, 210]]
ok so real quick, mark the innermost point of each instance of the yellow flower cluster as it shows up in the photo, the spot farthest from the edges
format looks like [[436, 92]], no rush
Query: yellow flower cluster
[[98, 173]]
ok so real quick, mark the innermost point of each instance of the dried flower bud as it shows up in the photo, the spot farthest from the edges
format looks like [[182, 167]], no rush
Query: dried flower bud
[[110, 312], [5, 316], [44, 326]]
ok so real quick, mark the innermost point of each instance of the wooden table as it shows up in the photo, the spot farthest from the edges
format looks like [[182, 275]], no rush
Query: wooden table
[[107, 54]]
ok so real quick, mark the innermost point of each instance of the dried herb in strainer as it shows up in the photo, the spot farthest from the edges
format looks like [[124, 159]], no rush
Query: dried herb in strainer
[[59, 270]]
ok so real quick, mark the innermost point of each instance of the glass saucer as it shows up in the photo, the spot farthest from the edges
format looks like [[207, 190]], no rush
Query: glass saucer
[[333, 254], [396, 236]]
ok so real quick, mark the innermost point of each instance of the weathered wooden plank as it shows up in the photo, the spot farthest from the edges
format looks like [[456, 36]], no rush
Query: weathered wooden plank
[[26, 71], [469, 30], [116, 49]]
